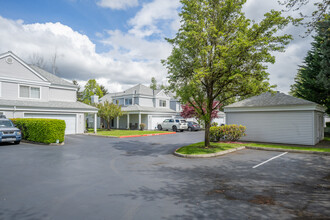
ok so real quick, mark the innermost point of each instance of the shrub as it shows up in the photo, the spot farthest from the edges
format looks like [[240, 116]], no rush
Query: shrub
[[227, 132], [41, 130], [142, 126], [214, 124]]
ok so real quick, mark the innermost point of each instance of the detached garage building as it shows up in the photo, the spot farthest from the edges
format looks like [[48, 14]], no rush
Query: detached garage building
[[278, 118]]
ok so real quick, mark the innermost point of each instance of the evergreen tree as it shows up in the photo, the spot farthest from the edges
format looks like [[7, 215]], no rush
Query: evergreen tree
[[312, 81]]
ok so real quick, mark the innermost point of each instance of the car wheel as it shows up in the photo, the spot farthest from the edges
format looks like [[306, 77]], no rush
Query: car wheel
[[189, 129], [174, 128], [181, 130], [159, 127], [17, 142]]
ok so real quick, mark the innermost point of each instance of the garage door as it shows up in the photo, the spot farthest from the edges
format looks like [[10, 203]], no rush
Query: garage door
[[70, 120]]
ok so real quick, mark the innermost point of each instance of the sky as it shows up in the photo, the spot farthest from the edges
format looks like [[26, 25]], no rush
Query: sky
[[120, 43]]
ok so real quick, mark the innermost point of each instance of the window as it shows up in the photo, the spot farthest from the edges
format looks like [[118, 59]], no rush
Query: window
[[29, 92], [171, 120], [162, 103], [128, 102]]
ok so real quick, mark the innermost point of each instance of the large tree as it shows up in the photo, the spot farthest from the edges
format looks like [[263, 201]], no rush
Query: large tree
[[79, 92], [109, 111], [313, 78], [218, 54], [91, 88], [308, 20]]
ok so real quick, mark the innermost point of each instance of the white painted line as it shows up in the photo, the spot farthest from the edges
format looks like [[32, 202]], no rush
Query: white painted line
[[269, 160]]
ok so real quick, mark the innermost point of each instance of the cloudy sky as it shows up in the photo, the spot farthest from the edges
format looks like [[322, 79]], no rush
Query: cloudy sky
[[118, 42]]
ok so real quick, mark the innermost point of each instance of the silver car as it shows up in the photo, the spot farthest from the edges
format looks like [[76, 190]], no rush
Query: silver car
[[173, 124]]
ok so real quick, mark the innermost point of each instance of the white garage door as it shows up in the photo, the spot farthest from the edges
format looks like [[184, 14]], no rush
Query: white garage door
[[157, 120], [294, 127], [70, 120]]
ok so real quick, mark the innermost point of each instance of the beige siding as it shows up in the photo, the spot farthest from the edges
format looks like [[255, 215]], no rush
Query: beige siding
[[275, 127], [62, 95], [17, 71]]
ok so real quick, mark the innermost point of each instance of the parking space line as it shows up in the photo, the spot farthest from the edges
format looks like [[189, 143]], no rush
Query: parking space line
[[269, 160]]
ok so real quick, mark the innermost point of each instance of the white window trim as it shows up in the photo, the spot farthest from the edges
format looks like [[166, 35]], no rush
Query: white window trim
[[19, 92], [162, 100], [0, 88], [127, 99]]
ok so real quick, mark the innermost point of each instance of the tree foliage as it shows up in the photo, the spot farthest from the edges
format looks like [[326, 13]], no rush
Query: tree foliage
[[218, 54], [104, 90], [109, 111], [322, 9], [154, 85], [188, 111], [312, 81], [91, 88], [79, 92]]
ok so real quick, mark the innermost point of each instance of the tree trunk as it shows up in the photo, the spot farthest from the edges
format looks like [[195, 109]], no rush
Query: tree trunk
[[109, 122], [207, 133]]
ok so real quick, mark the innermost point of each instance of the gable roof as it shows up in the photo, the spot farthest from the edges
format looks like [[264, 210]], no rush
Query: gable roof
[[140, 89], [268, 99], [51, 77]]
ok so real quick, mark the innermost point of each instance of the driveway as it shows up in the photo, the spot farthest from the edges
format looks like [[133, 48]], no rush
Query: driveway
[[139, 178]]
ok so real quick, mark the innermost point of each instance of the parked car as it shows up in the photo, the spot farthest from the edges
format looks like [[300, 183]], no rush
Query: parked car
[[8, 132], [173, 124], [193, 126]]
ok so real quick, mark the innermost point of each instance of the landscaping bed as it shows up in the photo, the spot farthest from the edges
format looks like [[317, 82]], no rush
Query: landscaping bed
[[127, 133], [220, 148]]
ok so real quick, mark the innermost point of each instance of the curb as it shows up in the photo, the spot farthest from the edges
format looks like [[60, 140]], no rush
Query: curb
[[129, 136], [37, 143], [208, 155], [147, 135], [289, 150]]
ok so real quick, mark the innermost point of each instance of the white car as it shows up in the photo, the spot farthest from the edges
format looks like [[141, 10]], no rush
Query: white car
[[173, 124]]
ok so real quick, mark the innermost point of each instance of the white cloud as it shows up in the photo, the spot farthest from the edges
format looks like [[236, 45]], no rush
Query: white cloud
[[118, 4], [76, 55], [153, 15]]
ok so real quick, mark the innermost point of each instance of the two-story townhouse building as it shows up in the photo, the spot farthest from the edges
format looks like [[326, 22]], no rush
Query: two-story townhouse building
[[141, 104], [27, 91]]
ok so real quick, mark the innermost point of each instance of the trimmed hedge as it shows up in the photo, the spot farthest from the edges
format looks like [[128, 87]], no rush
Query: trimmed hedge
[[41, 130], [227, 132]]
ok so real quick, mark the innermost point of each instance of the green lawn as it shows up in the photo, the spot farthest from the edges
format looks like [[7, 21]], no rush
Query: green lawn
[[198, 148], [288, 147], [216, 147], [118, 133]]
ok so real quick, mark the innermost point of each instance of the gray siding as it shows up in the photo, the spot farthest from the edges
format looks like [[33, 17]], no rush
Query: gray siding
[[146, 102], [16, 71], [62, 95], [10, 91], [294, 127]]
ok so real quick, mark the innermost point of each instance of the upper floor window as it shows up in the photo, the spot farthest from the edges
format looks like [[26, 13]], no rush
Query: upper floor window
[[162, 103], [29, 92], [128, 102]]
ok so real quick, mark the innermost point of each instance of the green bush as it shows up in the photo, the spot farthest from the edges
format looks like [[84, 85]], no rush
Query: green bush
[[41, 130], [227, 132], [214, 124], [142, 126]]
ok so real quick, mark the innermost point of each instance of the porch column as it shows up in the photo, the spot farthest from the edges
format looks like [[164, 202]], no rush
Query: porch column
[[139, 120], [95, 123], [127, 120], [117, 122]]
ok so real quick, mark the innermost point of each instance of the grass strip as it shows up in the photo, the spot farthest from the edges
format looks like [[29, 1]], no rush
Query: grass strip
[[198, 148], [118, 133]]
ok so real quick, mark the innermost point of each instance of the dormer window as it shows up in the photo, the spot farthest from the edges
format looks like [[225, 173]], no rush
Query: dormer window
[[29, 92], [128, 101], [162, 103]]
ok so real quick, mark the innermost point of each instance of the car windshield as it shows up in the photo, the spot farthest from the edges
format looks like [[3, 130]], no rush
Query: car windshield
[[183, 121], [5, 123]]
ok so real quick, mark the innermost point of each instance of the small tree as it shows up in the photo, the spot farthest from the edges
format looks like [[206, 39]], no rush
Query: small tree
[[108, 111], [91, 88], [188, 111]]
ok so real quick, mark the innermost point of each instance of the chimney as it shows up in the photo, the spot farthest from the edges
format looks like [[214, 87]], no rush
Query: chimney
[[94, 99]]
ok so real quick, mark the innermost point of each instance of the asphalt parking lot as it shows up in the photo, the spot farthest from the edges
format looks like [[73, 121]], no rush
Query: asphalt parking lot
[[139, 178]]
